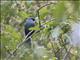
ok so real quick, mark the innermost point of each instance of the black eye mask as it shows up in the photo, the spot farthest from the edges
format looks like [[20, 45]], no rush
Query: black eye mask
[[33, 19]]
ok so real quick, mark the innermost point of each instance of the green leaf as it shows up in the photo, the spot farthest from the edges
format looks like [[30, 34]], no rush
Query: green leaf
[[43, 12], [34, 28], [52, 23], [59, 10], [54, 58], [23, 14]]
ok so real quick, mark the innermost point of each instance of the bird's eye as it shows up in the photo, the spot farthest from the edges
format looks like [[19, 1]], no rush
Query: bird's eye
[[33, 19]]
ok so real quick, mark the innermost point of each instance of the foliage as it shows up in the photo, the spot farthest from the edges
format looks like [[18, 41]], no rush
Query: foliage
[[50, 43]]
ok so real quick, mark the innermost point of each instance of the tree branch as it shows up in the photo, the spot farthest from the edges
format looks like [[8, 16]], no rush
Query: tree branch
[[40, 9], [67, 53]]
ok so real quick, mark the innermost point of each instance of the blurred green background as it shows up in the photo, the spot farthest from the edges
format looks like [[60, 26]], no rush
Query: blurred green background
[[53, 42]]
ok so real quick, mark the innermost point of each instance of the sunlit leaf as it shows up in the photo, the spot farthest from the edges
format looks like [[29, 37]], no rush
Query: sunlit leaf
[[59, 10]]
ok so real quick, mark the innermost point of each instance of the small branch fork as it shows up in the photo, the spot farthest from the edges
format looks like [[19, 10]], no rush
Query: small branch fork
[[40, 9], [19, 45], [12, 54]]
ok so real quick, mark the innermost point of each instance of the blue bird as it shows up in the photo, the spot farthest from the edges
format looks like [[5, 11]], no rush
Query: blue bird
[[30, 22]]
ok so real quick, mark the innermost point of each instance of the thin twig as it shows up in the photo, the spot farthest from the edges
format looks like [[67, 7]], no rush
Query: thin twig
[[45, 5], [19, 45], [39, 10], [7, 50], [67, 53]]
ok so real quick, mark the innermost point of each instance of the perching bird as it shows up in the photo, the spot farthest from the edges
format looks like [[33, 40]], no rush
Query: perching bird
[[30, 22]]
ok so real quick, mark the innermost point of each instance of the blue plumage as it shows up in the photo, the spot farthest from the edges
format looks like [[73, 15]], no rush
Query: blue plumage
[[30, 22]]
